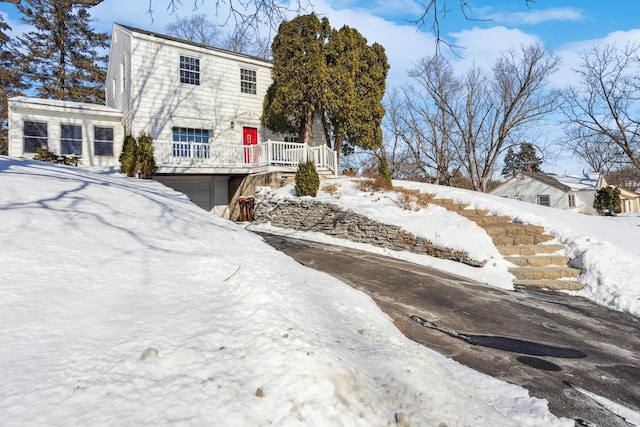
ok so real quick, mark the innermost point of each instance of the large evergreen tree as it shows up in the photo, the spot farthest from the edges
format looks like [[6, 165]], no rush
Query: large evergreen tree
[[525, 160], [300, 76], [11, 82], [63, 57], [356, 88], [333, 74]]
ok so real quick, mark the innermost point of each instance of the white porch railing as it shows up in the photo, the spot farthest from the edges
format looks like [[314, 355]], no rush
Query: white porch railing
[[267, 153]]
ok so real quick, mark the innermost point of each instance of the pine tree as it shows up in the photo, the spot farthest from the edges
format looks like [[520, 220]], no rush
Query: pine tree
[[356, 88], [510, 164], [63, 57], [525, 160], [300, 76], [528, 158], [11, 82]]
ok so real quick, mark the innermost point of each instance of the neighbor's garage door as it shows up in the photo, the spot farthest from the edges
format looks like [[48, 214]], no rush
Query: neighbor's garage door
[[196, 188]]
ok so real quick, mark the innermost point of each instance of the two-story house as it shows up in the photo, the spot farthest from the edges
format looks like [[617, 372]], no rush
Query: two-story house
[[200, 104]]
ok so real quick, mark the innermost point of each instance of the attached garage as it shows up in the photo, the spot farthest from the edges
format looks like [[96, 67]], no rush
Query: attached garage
[[210, 192]]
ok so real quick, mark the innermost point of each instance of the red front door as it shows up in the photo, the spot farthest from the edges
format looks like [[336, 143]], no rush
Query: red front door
[[249, 141]]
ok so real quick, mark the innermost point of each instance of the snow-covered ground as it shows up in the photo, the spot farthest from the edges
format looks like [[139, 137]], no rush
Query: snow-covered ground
[[606, 248], [97, 270]]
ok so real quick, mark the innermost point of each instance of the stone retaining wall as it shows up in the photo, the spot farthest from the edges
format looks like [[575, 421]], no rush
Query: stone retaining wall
[[309, 215]]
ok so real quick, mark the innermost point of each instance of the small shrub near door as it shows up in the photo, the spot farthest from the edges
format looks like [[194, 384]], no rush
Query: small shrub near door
[[307, 180]]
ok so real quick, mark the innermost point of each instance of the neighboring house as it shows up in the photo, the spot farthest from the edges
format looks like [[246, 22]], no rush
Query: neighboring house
[[200, 104], [630, 201], [571, 192]]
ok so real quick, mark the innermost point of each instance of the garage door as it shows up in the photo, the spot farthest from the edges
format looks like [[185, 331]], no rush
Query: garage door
[[198, 190]]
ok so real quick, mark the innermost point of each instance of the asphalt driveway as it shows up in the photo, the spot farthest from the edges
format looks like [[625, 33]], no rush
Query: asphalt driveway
[[546, 342]]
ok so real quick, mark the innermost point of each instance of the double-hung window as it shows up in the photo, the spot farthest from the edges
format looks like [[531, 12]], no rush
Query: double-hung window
[[544, 200], [35, 136], [70, 139], [248, 81], [190, 142], [103, 141], [189, 70]]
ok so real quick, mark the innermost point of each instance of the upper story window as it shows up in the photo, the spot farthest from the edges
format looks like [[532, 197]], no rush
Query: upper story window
[[189, 70], [70, 139], [102, 141], [248, 81], [35, 136]]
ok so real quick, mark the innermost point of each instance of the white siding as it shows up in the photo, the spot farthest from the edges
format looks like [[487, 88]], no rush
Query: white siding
[[57, 113], [118, 87], [528, 189], [160, 102]]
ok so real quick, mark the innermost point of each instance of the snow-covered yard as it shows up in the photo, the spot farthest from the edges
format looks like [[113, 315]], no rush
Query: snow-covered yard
[[96, 268]]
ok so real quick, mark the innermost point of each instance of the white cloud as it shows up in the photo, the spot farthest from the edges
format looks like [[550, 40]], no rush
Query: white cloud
[[534, 17], [483, 46], [571, 53]]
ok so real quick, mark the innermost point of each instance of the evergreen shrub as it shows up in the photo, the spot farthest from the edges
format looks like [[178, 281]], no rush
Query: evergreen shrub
[[137, 158], [307, 179]]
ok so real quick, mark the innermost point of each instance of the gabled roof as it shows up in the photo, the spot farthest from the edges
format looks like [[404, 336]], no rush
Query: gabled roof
[[192, 43], [547, 179], [628, 194], [584, 182]]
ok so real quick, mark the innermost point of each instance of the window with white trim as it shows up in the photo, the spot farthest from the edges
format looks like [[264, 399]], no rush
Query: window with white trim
[[190, 142], [544, 200], [102, 141], [35, 136], [70, 139], [572, 200], [291, 139], [189, 70], [248, 81]]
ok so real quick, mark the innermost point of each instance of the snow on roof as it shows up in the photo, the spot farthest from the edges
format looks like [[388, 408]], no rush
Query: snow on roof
[[63, 104], [586, 181]]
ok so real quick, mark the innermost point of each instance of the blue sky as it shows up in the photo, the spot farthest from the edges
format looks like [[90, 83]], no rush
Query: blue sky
[[567, 27]]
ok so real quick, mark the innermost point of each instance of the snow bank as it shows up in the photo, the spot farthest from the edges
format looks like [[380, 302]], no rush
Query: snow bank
[[96, 268]]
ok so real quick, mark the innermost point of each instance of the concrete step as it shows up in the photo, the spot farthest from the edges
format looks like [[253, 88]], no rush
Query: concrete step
[[554, 285], [543, 238], [457, 207], [538, 260], [543, 273], [442, 202], [483, 220], [512, 229], [474, 212], [520, 240], [527, 250]]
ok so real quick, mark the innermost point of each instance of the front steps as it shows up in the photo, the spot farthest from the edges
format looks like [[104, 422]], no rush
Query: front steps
[[537, 265]]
